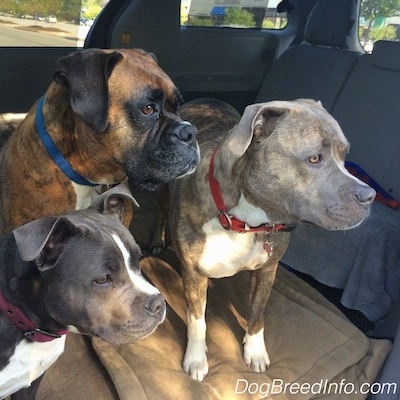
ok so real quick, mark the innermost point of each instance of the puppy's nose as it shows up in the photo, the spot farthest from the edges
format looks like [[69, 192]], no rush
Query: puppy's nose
[[365, 194], [155, 304], [185, 132]]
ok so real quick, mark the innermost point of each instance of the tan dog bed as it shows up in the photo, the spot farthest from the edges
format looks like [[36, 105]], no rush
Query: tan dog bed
[[311, 345]]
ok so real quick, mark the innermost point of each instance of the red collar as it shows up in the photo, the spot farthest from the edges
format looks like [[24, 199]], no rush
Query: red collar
[[21, 321], [230, 222]]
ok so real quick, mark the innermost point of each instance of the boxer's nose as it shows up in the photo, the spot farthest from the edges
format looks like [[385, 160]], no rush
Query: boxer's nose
[[185, 132]]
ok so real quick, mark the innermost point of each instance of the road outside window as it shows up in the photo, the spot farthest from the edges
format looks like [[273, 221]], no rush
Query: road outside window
[[42, 23]]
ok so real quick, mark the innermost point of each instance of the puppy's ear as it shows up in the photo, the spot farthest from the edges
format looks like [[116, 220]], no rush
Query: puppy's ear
[[42, 240], [85, 74], [117, 201]]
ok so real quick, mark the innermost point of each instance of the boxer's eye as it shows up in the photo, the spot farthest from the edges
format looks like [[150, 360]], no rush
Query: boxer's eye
[[148, 110], [315, 159], [103, 280]]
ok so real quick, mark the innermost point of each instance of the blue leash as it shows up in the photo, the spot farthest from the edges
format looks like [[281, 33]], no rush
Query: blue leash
[[54, 153]]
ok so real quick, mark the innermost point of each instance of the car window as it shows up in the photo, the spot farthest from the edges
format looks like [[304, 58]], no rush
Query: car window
[[233, 14], [56, 23], [379, 20]]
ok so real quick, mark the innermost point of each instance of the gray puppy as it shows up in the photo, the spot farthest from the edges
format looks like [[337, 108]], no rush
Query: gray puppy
[[75, 272], [282, 162]]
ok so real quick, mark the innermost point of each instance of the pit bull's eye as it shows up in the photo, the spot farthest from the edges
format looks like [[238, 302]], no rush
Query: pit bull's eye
[[148, 110], [315, 159], [104, 280]]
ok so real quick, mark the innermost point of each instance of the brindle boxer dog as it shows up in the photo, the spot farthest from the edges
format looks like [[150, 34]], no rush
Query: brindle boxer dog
[[282, 162], [108, 115]]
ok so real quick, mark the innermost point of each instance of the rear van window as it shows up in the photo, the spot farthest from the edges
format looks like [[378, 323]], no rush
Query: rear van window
[[379, 20], [245, 14]]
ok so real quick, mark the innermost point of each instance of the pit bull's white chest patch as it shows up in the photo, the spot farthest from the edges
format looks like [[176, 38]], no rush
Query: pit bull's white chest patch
[[29, 361], [226, 253]]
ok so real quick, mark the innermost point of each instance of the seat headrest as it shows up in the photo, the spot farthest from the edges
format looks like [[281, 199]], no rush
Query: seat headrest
[[330, 23], [386, 55]]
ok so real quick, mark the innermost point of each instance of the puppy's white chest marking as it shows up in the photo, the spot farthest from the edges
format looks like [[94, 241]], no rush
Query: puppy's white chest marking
[[29, 361]]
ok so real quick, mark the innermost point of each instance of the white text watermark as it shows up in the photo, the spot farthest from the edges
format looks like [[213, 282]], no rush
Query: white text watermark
[[278, 386]]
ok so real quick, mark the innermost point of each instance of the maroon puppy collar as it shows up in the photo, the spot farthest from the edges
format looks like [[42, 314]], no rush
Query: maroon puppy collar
[[21, 321]]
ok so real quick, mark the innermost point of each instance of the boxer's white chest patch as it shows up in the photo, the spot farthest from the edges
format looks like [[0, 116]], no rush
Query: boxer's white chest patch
[[29, 361], [84, 196]]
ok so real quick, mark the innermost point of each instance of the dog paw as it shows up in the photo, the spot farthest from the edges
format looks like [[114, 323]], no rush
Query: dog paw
[[255, 354], [195, 362]]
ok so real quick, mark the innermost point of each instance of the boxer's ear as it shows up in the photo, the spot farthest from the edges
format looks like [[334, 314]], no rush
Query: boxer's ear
[[85, 74], [117, 201], [42, 240], [146, 53]]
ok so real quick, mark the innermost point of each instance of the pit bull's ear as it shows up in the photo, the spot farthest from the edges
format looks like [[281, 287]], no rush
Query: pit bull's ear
[[240, 136], [117, 201], [266, 119], [43, 239], [257, 119], [85, 74]]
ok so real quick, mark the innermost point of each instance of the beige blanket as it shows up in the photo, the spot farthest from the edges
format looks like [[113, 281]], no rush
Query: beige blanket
[[315, 353]]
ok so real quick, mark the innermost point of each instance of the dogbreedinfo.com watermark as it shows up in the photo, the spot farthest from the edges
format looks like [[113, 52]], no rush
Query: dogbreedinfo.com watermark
[[278, 386]]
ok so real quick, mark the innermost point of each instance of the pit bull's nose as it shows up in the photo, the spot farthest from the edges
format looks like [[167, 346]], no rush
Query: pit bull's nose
[[155, 304], [185, 132], [365, 194]]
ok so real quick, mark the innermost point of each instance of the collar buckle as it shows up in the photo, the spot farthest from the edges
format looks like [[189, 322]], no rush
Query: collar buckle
[[225, 220]]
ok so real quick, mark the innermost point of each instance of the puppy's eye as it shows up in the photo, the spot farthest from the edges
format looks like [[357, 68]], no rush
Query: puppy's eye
[[148, 110], [103, 280], [315, 159]]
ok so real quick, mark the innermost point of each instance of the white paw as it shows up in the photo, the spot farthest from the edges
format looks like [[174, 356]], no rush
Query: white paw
[[255, 354], [195, 361]]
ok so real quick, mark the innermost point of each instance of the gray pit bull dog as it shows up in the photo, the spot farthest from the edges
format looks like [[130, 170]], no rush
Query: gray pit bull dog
[[77, 272], [282, 162]]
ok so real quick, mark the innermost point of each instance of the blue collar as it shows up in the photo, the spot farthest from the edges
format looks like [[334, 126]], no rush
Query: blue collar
[[53, 152]]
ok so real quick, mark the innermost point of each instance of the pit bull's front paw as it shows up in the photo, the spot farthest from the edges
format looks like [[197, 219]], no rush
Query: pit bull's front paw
[[254, 352], [195, 362]]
